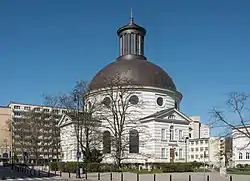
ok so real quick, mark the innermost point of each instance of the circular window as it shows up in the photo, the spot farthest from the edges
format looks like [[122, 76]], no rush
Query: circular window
[[106, 101], [160, 101], [134, 99]]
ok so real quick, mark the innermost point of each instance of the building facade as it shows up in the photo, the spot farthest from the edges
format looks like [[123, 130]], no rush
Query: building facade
[[154, 106], [241, 145], [35, 136], [5, 132]]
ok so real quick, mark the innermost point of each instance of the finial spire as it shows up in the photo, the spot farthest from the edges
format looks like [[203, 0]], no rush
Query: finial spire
[[131, 17]]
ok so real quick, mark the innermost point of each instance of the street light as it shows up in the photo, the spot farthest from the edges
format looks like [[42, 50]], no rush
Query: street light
[[77, 100], [186, 139]]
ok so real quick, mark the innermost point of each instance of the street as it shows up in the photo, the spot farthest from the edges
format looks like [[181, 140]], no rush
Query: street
[[8, 174]]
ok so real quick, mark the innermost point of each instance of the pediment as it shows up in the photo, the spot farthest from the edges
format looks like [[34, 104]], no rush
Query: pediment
[[65, 120], [169, 115]]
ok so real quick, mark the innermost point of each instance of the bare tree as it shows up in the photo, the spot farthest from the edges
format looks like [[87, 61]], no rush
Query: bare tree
[[238, 115], [35, 134], [119, 112], [21, 135], [233, 121], [88, 133]]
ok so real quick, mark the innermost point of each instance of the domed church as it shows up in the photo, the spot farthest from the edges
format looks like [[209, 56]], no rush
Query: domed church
[[155, 130]]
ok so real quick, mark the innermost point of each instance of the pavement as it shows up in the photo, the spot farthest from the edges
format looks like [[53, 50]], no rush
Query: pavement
[[10, 175]]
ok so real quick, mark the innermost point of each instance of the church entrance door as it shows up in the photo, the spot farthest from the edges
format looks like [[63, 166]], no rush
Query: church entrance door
[[171, 155]]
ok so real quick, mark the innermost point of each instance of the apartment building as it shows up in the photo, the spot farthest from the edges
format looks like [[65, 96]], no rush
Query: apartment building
[[36, 136], [5, 133]]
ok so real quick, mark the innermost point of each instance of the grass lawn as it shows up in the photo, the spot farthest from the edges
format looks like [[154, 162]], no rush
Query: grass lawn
[[158, 171], [201, 170], [239, 171]]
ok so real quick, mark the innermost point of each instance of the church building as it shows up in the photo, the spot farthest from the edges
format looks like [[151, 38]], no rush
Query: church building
[[167, 132]]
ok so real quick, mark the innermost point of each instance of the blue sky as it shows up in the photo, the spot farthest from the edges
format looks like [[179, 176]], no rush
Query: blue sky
[[45, 46]]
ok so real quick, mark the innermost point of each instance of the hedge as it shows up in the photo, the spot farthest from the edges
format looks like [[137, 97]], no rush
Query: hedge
[[71, 166], [101, 167]]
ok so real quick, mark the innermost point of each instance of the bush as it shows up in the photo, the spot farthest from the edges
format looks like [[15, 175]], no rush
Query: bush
[[177, 167], [53, 166]]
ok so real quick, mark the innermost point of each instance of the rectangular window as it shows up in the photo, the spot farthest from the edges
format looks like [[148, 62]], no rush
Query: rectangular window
[[180, 153], [206, 141], [192, 149], [26, 108], [201, 148], [206, 148], [17, 114], [196, 149], [201, 142], [192, 142], [197, 142], [180, 135], [163, 153], [17, 107], [163, 134], [171, 133], [192, 156]]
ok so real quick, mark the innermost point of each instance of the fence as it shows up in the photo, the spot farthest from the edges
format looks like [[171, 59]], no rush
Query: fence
[[118, 176]]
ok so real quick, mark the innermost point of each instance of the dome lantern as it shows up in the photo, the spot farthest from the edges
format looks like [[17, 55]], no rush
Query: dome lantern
[[131, 37]]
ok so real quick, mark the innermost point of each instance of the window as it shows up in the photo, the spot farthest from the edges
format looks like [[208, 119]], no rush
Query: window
[[163, 153], [192, 156], [17, 107], [197, 142], [46, 110], [192, 149], [201, 142], [132, 43], [201, 156], [180, 153], [206, 148], [240, 155], [137, 44], [106, 101], [171, 132], [106, 142], [163, 134], [17, 114], [133, 141], [36, 109], [55, 111], [126, 44], [26, 108], [247, 155], [159, 101], [134, 99], [196, 156], [206, 141], [180, 135], [201, 148], [63, 111], [196, 149], [192, 142], [89, 105]]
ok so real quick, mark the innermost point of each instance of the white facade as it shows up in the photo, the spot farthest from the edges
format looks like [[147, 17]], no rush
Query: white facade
[[241, 146]]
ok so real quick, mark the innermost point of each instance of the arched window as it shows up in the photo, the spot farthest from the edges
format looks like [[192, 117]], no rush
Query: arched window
[[247, 155], [171, 131], [133, 141], [106, 142], [240, 155]]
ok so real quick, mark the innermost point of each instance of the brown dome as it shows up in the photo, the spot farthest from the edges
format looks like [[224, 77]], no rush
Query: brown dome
[[138, 70]]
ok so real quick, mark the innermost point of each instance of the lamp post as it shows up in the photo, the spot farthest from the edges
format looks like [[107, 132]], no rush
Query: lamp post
[[77, 100]]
